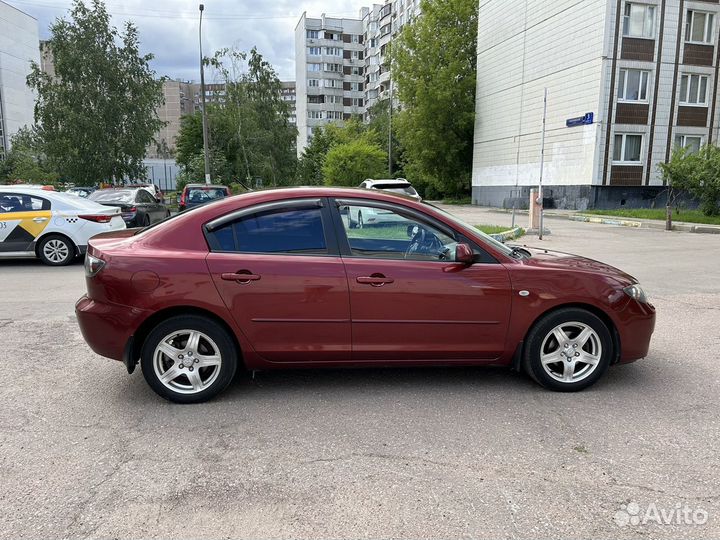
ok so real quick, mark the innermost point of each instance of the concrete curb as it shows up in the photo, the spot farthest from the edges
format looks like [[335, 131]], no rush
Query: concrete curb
[[698, 228], [511, 234]]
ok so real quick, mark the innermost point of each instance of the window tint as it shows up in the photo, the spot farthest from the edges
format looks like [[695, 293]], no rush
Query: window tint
[[386, 234], [144, 197], [297, 231]]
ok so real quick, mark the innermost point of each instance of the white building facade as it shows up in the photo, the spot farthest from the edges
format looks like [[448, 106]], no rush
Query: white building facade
[[646, 70], [19, 45]]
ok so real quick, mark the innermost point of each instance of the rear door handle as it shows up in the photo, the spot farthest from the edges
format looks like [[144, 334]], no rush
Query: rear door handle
[[243, 276], [40, 219], [376, 280]]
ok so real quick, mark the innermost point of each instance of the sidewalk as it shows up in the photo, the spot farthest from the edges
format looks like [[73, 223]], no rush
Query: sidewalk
[[574, 215]]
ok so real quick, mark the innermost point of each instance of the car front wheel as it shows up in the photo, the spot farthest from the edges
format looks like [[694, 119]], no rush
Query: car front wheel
[[568, 350], [188, 359]]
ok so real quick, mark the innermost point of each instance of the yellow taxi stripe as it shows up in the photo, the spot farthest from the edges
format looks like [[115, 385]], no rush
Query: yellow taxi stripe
[[12, 216]]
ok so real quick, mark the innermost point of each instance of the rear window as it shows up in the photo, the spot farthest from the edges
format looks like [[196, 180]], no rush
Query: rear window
[[292, 231], [113, 195], [205, 194]]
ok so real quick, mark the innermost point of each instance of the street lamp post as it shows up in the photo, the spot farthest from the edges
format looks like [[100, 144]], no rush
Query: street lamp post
[[206, 144]]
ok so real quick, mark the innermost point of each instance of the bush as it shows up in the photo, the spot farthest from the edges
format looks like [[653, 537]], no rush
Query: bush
[[350, 163], [698, 173]]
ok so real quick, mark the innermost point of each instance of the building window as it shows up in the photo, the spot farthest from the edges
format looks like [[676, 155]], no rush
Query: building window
[[315, 115], [313, 67], [336, 68], [628, 148], [333, 51], [693, 90], [691, 142], [313, 83], [639, 21], [314, 51], [633, 85], [699, 27], [333, 83], [312, 34]]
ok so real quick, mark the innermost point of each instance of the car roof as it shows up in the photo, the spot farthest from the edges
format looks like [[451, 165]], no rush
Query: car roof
[[389, 181], [205, 186]]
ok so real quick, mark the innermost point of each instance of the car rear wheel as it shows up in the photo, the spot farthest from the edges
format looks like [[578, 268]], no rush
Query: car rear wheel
[[568, 350], [188, 359], [56, 250]]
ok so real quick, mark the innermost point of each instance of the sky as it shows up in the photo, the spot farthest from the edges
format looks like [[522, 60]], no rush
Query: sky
[[169, 28]]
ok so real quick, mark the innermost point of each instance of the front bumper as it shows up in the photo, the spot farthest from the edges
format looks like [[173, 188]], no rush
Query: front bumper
[[636, 326], [106, 327]]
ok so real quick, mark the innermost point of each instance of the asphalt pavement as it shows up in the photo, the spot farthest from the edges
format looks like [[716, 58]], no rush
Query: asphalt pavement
[[88, 451]]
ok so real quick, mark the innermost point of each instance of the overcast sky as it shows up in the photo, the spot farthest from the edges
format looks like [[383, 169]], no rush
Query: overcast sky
[[169, 28]]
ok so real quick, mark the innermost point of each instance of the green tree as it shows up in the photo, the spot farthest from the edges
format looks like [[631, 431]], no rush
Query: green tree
[[434, 67], [25, 161], [96, 117], [698, 173], [349, 163]]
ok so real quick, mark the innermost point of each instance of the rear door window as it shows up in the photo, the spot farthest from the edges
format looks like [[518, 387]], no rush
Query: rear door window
[[296, 231]]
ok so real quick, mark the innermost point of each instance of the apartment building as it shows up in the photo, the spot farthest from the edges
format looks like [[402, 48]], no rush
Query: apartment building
[[288, 94], [177, 102], [329, 72], [627, 81], [19, 45], [341, 64]]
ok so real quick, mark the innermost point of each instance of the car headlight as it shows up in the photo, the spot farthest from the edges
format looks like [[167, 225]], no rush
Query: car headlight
[[93, 265], [636, 292]]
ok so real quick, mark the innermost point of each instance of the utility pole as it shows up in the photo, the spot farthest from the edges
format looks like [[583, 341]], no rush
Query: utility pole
[[206, 144], [390, 113], [542, 164]]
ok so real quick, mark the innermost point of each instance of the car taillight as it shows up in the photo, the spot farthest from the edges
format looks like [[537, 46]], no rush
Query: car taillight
[[129, 213], [182, 198], [93, 265], [97, 218]]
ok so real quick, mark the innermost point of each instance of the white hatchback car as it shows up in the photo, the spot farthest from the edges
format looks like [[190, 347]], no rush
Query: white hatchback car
[[359, 218], [53, 226]]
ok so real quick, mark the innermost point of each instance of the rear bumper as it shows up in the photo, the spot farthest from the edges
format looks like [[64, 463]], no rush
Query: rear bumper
[[106, 327], [637, 323]]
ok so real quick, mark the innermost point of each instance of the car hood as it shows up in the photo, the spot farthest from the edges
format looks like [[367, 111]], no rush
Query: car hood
[[544, 258]]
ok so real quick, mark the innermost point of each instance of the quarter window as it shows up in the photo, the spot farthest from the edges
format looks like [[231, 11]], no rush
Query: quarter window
[[693, 89], [296, 231], [639, 20], [628, 148], [633, 85], [699, 27]]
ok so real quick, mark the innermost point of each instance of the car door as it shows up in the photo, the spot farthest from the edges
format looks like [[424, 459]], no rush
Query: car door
[[408, 303], [278, 270], [23, 218], [146, 202]]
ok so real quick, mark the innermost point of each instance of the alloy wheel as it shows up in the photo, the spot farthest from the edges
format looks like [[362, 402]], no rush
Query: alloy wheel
[[187, 361], [56, 251], [571, 352]]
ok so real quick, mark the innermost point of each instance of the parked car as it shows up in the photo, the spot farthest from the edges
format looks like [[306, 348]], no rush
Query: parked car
[[138, 208], [401, 186], [198, 194], [266, 280], [52, 226], [81, 191], [151, 188]]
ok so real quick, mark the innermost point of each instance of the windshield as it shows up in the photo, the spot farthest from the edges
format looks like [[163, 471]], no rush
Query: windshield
[[205, 194], [113, 195], [398, 188], [472, 230]]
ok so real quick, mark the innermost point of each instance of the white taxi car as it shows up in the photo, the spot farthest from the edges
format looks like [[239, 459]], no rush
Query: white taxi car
[[53, 226]]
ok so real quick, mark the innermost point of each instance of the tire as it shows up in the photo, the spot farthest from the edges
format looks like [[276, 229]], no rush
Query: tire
[[568, 350], [192, 383], [56, 250]]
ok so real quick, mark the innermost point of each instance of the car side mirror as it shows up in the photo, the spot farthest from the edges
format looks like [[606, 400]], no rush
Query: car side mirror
[[464, 254]]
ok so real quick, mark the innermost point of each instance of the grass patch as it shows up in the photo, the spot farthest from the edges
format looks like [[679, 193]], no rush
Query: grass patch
[[384, 231], [461, 200], [492, 229], [689, 216]]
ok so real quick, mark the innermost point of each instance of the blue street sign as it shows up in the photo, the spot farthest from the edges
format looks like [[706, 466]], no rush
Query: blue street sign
[[580, 120]]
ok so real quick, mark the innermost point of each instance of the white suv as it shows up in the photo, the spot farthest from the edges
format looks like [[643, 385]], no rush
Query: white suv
[[53, 226], [396, 185]]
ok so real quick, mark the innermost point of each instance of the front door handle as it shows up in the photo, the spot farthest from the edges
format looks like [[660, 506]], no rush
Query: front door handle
[[243, 276], [376, 280], [40, 219]]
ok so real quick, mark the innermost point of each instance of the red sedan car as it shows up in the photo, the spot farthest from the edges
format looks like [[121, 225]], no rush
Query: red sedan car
[[278, 279]]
